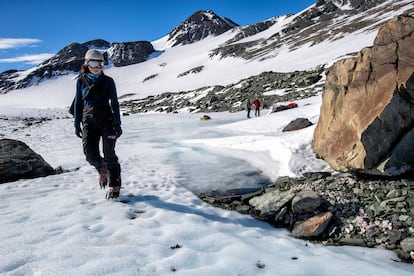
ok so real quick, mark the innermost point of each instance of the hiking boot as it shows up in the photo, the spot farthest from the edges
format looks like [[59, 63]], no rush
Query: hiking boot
[[103, 180], [113, 192]]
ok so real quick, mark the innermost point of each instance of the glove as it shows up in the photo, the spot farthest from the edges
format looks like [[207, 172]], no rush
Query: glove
[[78, 131], [118, 131]]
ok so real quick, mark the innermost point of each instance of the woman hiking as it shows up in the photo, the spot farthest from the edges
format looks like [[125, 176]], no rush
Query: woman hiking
[[96, 114]]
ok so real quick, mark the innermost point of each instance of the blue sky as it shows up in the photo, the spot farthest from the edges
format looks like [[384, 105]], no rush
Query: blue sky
[[33, 30]]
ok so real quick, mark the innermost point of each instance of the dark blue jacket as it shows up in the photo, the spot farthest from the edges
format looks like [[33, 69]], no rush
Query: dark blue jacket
[[102, 94]]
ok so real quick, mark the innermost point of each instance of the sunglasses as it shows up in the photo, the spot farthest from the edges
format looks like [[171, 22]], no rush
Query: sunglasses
[[96, 64]]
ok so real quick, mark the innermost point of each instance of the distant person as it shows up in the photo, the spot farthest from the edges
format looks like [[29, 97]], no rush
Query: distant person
[[248, 107], [256, 104], [97, 116]]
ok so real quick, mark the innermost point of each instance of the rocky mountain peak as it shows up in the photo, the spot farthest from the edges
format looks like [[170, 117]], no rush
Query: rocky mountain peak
[[199, 26]]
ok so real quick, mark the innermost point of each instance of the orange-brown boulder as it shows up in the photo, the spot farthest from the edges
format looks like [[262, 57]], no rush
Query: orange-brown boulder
[[364, 113]]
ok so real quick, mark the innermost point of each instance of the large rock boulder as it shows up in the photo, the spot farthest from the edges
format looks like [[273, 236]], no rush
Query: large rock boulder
[[365, 114], [18, 161]]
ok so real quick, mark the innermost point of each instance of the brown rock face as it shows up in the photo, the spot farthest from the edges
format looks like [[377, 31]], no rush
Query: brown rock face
[[363, 116]]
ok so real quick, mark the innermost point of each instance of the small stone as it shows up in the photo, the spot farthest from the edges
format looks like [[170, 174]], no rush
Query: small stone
[[352, 242], [259, 264], [407, 244], [244, 209], [403, 217], [394, 236], [313, 226], [305, 202], [271, 202], [356, 191], [392, 194]]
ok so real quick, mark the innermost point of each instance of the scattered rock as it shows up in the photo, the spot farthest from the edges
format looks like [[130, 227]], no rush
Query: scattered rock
[[345, 209], [177, 246], [259, 264], [231, 97]]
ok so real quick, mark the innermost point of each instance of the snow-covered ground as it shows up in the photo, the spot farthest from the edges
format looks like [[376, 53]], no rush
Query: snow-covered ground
[[62, 225]]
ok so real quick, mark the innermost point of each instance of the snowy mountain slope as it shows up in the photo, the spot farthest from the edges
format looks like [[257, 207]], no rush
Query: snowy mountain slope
[[316, 36]]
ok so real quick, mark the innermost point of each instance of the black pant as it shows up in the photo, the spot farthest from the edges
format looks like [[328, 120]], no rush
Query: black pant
[[257, 112], [97, 124]]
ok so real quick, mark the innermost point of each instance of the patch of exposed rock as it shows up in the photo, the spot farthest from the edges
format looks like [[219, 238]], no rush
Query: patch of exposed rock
[[127, 53], [339, 209], [326, 21], [199, 26], [291, 86]]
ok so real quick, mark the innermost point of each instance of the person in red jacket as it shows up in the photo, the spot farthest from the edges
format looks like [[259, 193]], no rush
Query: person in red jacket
[[256, 104]]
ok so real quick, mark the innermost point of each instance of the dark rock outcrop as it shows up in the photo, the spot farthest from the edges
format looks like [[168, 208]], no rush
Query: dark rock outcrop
[[199, 26], [365, 113], [127, 53], [18, 161]]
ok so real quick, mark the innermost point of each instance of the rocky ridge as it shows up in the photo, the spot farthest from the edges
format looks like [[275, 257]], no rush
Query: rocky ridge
[[326, 21], [294, 86]]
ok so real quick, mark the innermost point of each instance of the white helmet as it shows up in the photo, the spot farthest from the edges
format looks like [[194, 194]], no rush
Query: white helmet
[[93, 54]]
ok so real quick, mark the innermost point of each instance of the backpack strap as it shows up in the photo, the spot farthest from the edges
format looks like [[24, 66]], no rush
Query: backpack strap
[[85, 80], [88, 83]]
